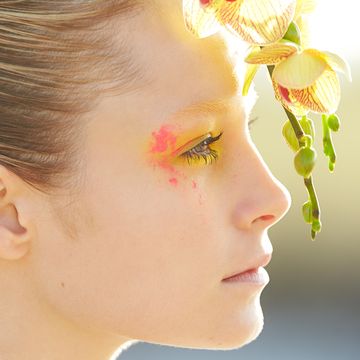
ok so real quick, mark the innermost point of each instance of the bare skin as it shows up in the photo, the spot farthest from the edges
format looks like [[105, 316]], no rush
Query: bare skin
[[155, 236]]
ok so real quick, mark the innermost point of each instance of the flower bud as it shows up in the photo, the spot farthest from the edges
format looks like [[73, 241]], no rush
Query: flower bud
[[307, 126], [333, 122], [307, 212], [290, 137], [304, 161], [316, 225], [307, 139]]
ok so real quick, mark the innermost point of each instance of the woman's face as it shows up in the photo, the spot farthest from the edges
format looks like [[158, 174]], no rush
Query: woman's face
[[156, 232]]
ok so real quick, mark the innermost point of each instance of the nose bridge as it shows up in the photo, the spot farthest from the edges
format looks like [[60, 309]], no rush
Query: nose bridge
[[261, 197]]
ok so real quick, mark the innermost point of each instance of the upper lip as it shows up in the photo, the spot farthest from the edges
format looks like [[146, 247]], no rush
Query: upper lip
[[262, 260]]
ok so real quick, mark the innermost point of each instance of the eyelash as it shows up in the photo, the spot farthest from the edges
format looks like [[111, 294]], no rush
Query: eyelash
[[211, 155], [192, 155]]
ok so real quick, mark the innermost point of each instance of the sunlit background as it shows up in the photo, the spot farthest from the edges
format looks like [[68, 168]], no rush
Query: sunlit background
[[312, 303]]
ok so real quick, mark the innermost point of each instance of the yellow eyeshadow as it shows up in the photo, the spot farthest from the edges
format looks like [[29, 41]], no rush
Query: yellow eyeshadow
[[182, 133], [190, 144], [193, 129], [192, 159]]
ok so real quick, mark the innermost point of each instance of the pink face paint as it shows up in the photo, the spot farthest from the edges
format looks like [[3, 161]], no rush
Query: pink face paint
[[173, 181], [162, 149], [165, 140], [163, 145], [195, 186]]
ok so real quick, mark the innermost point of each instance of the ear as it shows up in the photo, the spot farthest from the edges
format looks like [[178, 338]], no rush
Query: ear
[[15, 234]]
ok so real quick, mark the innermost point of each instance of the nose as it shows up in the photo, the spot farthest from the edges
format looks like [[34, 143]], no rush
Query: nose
[[261, 199]]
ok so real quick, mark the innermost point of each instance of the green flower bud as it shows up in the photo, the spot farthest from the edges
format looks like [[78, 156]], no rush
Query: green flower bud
[[307, 212], [316, 225], [293, 34], [313, 235], [307, 139], [307, 126], [327, 147], [290, 137], [333, 122], [304, 161]]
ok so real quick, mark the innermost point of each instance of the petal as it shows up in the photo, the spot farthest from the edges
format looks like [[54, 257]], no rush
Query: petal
[[304, 7], [250, 73], [336, 62], [299, 70], [288, 101], [258, 22], [323, 96], [303, 24], [271, 54], [200, 20]]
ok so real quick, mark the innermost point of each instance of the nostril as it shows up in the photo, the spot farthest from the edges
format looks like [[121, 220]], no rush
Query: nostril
[[266, 217]]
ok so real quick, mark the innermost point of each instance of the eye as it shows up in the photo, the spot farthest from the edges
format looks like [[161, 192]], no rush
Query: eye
[[202, 151]]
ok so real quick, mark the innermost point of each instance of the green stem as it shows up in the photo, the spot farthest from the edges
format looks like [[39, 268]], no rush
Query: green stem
[[308, 181], [312, 194], [328, 145], [292, 118]]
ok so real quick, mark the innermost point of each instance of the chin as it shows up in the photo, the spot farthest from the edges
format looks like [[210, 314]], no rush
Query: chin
[[239, 340], [244, 331], [231, 335]]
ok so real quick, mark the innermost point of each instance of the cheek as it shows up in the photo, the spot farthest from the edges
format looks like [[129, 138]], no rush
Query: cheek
[[146, 254]]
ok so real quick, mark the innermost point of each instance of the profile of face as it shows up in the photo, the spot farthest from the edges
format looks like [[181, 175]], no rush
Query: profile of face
[[162, 217]]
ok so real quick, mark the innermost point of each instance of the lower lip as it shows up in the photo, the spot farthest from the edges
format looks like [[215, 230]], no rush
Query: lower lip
[[255, 276]]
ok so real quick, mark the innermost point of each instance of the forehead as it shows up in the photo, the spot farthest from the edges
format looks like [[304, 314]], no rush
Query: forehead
[[180, 69]]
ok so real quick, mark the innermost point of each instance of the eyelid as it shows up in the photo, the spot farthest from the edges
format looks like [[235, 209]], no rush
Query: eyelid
[[192, 143]]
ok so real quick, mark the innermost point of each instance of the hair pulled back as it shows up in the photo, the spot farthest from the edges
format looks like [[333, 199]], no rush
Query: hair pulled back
[[56, 57]]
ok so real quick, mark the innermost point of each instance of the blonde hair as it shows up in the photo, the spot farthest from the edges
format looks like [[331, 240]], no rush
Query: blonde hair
[[56, 57]]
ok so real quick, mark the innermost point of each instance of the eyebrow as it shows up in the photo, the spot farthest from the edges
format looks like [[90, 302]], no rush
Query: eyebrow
[[219, 106], [205, 107]]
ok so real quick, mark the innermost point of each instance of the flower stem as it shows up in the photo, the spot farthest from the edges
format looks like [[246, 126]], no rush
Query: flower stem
[[316, 224], [292, 118], [314, 204]]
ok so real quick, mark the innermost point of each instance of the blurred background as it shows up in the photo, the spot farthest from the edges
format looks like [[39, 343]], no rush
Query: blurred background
[[312, 304]]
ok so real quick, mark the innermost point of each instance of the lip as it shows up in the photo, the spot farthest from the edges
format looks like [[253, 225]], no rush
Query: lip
[[260, 262]]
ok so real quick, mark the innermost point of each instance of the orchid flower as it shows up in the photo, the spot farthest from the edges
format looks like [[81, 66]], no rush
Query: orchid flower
[[303, 80], [257, 22]]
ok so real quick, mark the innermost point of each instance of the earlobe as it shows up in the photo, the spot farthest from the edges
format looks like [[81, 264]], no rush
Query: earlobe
[[14, 238], [13, 246]]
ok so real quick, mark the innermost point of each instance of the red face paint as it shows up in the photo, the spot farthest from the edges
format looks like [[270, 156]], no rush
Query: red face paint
[[164, 143], [173, 181], [162, 148], [165, 140]]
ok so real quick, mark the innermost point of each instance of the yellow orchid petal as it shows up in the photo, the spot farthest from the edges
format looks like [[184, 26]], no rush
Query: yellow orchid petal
[[323, 96], [250, 73], [304, 7], [336, 62], [299, 70], [257, 22], [303, 24], [288, 101], [271, 54], [200, 20]]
